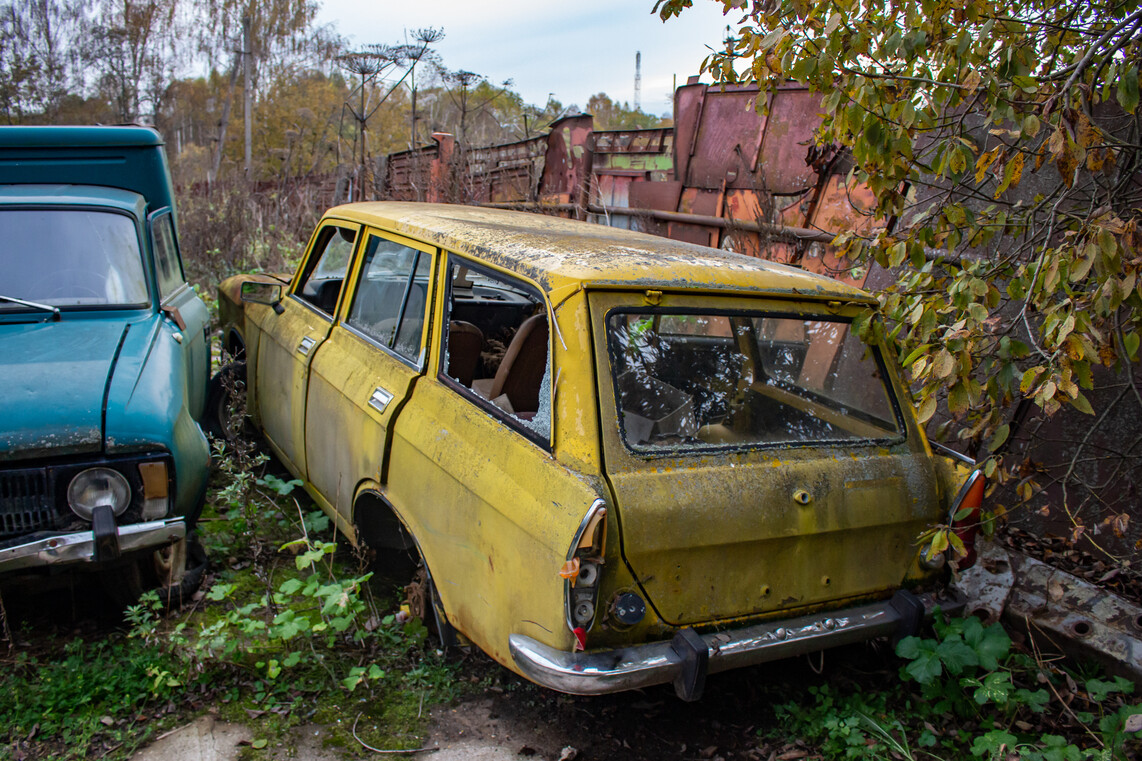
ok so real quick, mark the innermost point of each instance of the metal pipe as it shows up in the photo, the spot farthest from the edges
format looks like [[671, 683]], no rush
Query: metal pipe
[[781, 231]]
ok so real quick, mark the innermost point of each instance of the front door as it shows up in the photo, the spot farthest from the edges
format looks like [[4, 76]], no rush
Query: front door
[[365, 369], [291, 339]]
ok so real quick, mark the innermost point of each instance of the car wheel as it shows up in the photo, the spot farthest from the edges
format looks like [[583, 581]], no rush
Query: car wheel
[[225, 417], [175, 572], [424, 603], [179, 569]]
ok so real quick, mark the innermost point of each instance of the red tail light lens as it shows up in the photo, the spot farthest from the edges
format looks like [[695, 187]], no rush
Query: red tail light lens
[[965, 516]]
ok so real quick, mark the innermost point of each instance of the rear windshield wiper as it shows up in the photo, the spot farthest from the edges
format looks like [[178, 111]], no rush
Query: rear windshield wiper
[[34, 305]]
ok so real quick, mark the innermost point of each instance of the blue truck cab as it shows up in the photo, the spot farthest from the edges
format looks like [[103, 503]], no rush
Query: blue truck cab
[[104, 360]]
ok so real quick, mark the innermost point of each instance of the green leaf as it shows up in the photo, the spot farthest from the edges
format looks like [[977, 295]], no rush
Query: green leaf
[[988, 745], [927, 409], [1001, 434], [909, 647], [1082, 404], [996, 688], [925, 668], [958, 400], [956, 655], [1031, 125], [1099, 689], [1128, 89], [1130, 342], [916, 354], [258, 744]]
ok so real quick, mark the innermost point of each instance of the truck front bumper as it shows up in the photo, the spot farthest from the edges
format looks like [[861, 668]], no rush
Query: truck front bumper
[[81, 546], [690, 656]]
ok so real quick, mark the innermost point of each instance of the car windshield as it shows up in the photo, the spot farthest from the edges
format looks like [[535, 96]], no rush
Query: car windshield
[[698, 381], [70, 258]]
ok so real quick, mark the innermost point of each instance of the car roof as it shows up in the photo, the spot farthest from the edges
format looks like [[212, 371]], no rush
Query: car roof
[[86, 136], [73, 196], [560, 253]]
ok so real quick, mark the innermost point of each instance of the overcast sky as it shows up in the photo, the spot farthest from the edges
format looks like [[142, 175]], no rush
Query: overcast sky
[[570, 50]]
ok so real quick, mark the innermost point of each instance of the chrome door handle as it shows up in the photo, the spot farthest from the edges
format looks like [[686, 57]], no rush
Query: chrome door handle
[[380, 399], [305, 346]]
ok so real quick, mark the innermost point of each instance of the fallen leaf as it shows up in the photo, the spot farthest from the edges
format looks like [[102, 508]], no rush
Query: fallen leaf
[[107, 721], [791, 755], [708, 751], [1133, 723], [568, 754], [254, 713], [1055, 590]]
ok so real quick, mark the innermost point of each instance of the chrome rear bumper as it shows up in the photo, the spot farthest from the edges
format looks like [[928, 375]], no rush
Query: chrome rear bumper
[[79, 547], [684, 663]]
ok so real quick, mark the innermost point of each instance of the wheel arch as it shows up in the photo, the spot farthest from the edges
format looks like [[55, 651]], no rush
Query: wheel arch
[[234, 344], [377, 523]]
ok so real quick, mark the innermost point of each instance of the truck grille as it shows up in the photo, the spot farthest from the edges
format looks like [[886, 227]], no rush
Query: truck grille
[[26, 502]]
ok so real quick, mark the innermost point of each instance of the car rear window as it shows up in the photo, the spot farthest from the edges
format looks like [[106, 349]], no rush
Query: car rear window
[[71, 258], [694, 380]]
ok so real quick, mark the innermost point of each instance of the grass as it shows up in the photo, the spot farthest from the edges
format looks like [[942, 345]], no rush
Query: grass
[[287, 632]]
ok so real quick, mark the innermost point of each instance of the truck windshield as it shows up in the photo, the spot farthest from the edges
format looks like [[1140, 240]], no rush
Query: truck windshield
[[70, 258], [699, 381]]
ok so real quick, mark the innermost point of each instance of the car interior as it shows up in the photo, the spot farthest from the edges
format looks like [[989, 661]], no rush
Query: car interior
[[497, 340]]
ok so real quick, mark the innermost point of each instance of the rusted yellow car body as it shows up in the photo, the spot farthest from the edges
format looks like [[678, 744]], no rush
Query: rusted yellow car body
[[623, 460]]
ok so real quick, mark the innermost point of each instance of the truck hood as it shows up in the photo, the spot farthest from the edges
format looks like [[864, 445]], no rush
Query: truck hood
[[54, 376]]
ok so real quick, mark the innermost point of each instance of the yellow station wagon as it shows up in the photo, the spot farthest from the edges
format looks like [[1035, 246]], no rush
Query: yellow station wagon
[[621, 460]]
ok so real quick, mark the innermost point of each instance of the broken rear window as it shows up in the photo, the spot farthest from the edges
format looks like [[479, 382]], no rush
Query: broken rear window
[[695, 380]]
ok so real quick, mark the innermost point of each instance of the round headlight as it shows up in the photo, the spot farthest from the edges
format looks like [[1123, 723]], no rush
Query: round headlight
[[98, 486]]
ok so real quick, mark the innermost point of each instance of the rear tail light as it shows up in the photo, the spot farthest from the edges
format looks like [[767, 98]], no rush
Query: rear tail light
[[964, 517], [581, 572]]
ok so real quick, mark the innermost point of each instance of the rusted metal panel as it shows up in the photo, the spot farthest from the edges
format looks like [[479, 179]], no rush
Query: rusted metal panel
[[655, 195], [568, 163], [727, 140], [843, 207], [658, 140], [703, 202], [688, 102], [795, 114]]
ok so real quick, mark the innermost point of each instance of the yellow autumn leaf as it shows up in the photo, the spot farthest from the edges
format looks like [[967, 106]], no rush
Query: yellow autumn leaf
[[1012, 174], [984, 162]]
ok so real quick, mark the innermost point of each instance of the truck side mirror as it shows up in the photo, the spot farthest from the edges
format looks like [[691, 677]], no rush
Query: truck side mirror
[[268, 294]]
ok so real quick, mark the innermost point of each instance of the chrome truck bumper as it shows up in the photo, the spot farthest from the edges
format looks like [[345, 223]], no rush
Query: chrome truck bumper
[[81, 546], [687, 659]]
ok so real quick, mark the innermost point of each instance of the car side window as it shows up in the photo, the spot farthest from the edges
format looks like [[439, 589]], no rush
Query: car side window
[[321, 281], [167, 263], [496, 346], [389, 304]]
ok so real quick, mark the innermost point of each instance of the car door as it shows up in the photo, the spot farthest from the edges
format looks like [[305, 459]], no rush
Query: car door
[[290, 339], [183, 307], [366, 368]]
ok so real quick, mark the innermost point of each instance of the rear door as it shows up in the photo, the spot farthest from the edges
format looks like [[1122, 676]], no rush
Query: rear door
[[758, 457], [363, 372], [291, 339]]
